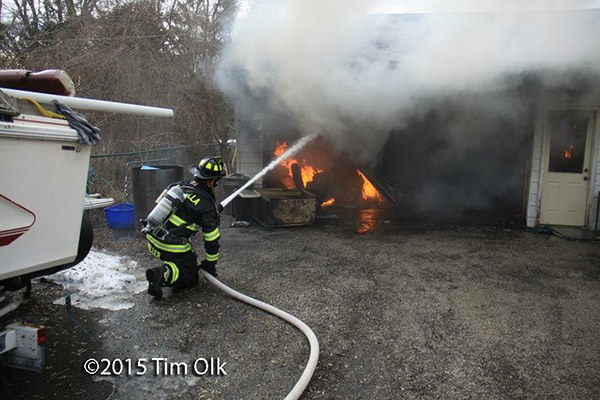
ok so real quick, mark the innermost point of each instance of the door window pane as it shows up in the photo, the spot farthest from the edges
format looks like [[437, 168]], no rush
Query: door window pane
[[568, 130]]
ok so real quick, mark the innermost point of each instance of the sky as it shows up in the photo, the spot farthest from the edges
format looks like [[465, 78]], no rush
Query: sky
[[428, 6]]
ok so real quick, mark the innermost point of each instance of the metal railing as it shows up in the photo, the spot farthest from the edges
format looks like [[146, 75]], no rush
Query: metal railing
[[110, 173]]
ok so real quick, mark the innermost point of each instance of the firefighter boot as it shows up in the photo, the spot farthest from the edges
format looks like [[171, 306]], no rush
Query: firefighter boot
[[156, 279]]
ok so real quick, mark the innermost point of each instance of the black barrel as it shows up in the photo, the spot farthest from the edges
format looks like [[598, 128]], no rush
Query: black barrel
[[148, 184], [238, 207]]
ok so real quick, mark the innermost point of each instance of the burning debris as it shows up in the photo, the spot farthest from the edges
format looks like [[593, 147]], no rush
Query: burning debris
[[332, 177], [369, 193], [328, 202], [307, 171]]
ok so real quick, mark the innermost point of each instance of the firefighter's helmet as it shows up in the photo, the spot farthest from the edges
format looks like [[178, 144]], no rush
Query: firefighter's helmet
[[209, 168]]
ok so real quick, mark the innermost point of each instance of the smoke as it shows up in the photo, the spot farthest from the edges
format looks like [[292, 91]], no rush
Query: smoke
[[332, 68]]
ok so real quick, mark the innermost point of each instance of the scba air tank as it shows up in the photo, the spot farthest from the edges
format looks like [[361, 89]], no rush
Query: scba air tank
[[166, 204]]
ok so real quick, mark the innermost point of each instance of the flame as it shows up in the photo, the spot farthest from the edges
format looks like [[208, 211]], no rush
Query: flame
[[280, 149], [368, 190], [328, 202], [569, 152], [308, 171]]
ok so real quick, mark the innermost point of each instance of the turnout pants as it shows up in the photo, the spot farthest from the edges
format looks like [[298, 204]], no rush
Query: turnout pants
[[180, 262]]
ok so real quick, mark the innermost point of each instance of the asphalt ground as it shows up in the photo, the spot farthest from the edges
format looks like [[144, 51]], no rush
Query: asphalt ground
[[402, 309]]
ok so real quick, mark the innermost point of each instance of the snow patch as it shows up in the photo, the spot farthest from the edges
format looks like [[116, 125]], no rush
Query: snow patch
[[101, 281]]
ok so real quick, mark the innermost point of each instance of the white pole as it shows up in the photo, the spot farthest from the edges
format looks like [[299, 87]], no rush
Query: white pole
[[90, 104]]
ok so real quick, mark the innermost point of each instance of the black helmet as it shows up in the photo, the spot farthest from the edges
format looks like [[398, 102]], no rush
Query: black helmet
[[209, 168]]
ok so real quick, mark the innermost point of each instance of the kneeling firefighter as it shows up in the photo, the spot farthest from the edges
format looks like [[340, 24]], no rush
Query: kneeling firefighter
[[182, 210]]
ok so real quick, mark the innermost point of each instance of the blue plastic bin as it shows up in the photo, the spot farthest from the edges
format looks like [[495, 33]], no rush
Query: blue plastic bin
[[120, 216]]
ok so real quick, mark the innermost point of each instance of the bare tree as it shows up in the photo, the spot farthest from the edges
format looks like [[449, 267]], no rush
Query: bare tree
[[155, 52], [161, 52]]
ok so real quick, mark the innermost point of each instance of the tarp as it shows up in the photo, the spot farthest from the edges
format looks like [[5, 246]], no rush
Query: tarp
[[7, 105], [88, 134]]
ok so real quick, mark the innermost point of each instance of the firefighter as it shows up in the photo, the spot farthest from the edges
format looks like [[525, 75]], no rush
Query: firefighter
[[170, 242]]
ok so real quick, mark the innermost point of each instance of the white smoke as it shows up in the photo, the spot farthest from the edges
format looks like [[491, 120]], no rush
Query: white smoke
[[421, 6], [341, 71]]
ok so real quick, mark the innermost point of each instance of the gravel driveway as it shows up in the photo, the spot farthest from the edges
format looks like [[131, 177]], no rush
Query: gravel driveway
[[402, 310]]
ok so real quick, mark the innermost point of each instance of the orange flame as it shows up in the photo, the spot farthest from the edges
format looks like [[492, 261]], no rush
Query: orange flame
[[308, 171], [280, 149], [328, 202], [368, 190], [569, 152]]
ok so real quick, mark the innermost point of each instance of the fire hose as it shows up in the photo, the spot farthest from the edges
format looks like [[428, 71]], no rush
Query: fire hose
[[297, 390]]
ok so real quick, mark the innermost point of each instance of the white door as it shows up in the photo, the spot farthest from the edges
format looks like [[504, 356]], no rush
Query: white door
[[567, 168]]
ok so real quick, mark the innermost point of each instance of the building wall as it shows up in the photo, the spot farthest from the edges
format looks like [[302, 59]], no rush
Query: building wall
[[249, 160], [533, 202], [595, 176]]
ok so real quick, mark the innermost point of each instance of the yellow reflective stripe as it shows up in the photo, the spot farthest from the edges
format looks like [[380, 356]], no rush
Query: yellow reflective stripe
[[209, 166], [175, 271], [209, 237], [175, 220], [193, 227], [211, 257], [173, 248], [165, 275]]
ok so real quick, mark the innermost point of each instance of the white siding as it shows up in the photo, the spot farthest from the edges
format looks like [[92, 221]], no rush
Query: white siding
[[595, 177], [250, 149]]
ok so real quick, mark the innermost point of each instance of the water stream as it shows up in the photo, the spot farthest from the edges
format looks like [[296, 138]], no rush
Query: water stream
[[290, 152]]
